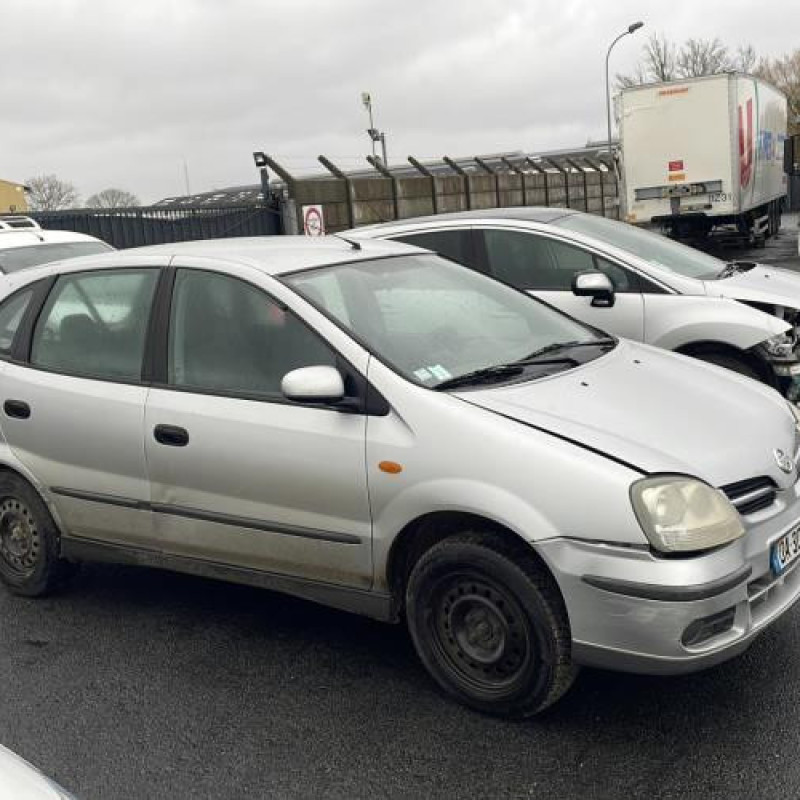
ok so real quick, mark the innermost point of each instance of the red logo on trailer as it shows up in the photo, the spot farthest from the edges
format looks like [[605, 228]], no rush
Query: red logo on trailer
[[746, 145], [676, 166]]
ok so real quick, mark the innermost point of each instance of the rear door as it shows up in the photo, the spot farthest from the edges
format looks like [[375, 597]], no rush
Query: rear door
[[545, 267], [73, 400], [241, 476]]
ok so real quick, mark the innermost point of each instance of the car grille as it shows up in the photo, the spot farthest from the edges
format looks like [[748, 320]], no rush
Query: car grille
[[752, 494]]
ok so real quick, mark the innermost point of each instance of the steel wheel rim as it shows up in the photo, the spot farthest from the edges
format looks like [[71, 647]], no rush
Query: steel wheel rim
[[20, 542], [481, 634]]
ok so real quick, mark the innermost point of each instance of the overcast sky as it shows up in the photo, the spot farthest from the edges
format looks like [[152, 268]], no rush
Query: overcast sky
[[111, 93]]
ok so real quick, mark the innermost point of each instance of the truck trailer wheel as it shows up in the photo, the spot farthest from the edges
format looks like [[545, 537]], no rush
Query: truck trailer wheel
[[490, 626]]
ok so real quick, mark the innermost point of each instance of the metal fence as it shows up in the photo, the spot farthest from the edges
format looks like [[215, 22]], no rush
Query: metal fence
[[586, 182], [135, 227]]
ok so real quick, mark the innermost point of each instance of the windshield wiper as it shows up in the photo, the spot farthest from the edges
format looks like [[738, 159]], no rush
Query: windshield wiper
[[484, 375], [537, 357], [555, 347]]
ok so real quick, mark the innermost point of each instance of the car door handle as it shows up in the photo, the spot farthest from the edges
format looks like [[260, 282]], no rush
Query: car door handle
[[17, 408], [171, 435]]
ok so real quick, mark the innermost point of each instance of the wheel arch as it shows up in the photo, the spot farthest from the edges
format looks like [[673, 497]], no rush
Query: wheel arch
[[700, 348], [427, 530], [8, 463]]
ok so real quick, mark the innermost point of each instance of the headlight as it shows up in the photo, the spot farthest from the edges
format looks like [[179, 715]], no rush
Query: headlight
[[682, 515], [781, 346], [795, 413]]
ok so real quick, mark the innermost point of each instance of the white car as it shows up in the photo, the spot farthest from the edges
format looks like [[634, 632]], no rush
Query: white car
[[20, 781], [23, 243], [628, 281]]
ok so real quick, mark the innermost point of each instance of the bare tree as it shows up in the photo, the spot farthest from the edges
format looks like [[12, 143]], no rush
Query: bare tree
[[745, 59], [662, 60], [702, 57], [784, 72], [50, 193], [658, 63], [659, 58], [112, 198]]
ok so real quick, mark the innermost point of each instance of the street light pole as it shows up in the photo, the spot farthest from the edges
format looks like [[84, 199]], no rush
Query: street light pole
[[632, 28], [374, 134], [366, 99]]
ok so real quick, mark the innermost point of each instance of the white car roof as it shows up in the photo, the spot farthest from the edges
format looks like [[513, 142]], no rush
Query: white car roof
[[273, 255], [27, 238]]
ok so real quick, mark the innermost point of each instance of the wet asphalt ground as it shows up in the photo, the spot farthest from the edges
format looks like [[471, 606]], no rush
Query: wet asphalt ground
[[139, 684]]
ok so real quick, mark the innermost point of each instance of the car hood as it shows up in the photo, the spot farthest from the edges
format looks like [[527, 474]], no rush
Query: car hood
[[658, 412], [760, 284]]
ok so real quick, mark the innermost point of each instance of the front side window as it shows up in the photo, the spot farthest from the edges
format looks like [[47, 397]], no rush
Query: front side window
[[650, 246], [529, 261], [95, 324], [434, 320], [17, 258], [228, 336], [11, 313]]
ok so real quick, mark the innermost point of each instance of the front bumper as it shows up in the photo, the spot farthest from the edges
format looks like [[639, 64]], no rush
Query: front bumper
[[633, 611]]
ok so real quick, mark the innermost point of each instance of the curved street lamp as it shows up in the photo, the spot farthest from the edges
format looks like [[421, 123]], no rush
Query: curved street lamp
[[632, 28]]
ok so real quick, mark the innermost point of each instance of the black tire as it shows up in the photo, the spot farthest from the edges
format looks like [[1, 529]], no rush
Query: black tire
[[490, 626], [29, 541], [729, 362]]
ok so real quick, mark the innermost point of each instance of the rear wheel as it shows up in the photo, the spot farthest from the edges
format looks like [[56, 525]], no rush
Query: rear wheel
[[490, 626], [29, 541]]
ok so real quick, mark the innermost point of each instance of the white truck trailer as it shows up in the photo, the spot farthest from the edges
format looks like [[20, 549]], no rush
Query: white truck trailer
[[702, 153]]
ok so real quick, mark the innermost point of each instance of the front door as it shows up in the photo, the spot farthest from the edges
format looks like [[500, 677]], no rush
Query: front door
[[240, 476], [545, 267]]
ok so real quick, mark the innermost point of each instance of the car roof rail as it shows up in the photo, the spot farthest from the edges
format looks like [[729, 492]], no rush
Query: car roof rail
[[17, 222]]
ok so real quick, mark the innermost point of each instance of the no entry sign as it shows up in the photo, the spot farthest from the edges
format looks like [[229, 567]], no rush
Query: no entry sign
[[313, 221]]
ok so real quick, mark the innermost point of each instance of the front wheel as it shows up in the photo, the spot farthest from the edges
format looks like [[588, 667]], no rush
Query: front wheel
[[29, 543], [490, 626]]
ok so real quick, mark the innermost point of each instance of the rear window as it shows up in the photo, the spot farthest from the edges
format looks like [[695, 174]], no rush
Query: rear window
[[11, 312], [17, 258]]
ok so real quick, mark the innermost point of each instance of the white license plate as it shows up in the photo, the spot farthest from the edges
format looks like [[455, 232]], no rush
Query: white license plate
[[785, 551]]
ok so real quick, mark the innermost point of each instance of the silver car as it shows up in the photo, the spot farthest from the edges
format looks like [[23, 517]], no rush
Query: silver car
[[629, 281], [377, 428]]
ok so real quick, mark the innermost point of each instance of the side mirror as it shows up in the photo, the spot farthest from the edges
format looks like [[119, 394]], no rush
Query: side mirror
[[596, 285], [321, 384]]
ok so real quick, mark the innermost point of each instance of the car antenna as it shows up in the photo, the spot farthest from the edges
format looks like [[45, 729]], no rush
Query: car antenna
[[354, 245]]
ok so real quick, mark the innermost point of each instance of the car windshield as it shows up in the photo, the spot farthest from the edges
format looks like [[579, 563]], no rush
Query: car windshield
[[650, 246], [436, 322], [17, 258]]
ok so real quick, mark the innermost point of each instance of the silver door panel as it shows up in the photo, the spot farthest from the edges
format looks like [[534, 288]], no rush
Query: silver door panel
[[84, 436], [264, 485]]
